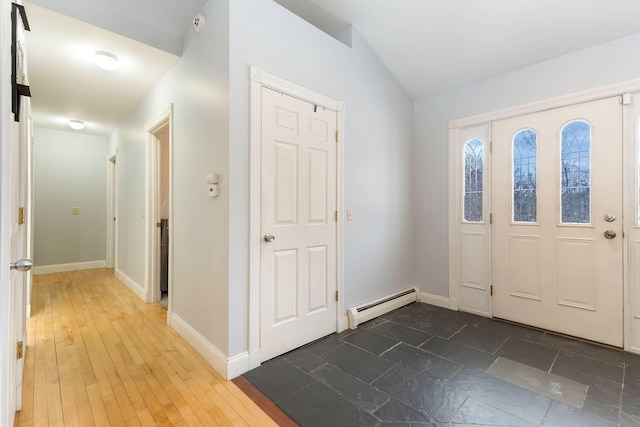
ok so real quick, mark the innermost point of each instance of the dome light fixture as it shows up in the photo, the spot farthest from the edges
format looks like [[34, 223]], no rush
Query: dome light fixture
[[76, 124], [106, 61]]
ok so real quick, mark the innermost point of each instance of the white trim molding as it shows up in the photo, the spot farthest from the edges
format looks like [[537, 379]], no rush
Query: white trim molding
[[73, 266], [436, 300], [152, 208], [228, 367], [135, 287], [260, 79]]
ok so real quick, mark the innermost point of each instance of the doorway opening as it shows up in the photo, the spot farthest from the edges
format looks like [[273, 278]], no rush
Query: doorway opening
[[159, 206], [112, 201]]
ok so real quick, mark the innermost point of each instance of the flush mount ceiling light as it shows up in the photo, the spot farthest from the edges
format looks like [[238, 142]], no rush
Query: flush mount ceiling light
[[106, 61], [76, 124]]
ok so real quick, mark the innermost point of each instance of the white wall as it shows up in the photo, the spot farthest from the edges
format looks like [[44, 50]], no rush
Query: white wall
[[70, 171], [605, 64], [209, 88], [379, 134], [198, 89]]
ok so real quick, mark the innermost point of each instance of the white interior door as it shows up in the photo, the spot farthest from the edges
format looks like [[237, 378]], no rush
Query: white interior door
[[557, 220], [298, 205], [20, 136]]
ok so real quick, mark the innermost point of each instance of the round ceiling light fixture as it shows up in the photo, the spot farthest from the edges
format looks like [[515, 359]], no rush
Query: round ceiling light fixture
[[106, 61], [76, 124]]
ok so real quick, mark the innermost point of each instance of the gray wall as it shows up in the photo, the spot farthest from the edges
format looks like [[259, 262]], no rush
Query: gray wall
[[209, 88], [198, 89], [69, 171], [378, 256], [614, 62]]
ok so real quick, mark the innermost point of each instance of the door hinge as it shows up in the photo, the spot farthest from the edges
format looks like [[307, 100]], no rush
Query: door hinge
[[20, 215], [336, 296], [490, 218], [19, 350], [336, 136], [491, 290], [336, 215]]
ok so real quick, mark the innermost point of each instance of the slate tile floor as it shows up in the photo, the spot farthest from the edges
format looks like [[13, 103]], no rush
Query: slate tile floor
[[422, 365]]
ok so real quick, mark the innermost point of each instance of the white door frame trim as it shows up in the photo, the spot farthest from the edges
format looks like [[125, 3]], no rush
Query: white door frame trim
[[152, 208], [629, 179], [112, 211], [260, 79]]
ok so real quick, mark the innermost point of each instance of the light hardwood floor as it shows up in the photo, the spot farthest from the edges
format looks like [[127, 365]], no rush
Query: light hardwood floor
[[97, 355]]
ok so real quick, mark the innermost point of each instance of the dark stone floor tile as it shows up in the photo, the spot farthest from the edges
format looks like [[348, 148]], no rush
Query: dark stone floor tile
[[401, 424], [627, 420], [278, 378], [607, 412], [437, 323], [585, 370], [631, 396], [324, 345], [371, 323], [405, 316], [592, 351], [562, 415], [502, 395], [422, 361], [370, 341], [480, 339], [476, 412], [304, 359], [357, 362], [506, 328], [360, 393], [397, 411], [605, 392], [632, 362], [425, 394], [403, 333], [461, 354], [528, 353], [318, 405]]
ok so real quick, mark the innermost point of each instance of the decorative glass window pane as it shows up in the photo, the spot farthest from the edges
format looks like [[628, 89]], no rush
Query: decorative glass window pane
[[473, 165], [525, 177], [576, 173]]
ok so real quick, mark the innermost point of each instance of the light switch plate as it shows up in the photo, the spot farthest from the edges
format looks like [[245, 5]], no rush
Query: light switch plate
[[349, 215]]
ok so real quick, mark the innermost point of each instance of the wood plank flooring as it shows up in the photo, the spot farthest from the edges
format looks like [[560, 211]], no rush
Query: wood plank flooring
[[97, 355]]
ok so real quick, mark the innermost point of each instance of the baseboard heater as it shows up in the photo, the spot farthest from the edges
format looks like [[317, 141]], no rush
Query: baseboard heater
[[373, 309]]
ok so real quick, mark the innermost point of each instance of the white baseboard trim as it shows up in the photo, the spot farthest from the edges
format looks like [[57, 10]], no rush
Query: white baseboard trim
[[229, 368], [131, 284], [73, 266], [343, 323], [634, 349], [436, 300]]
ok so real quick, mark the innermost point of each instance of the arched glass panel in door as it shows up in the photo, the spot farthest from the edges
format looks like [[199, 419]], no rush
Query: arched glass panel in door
[[525, 176], [473, 170], [575, 173]]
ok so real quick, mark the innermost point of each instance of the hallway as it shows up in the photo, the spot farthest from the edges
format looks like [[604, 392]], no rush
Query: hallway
[[97, 355]]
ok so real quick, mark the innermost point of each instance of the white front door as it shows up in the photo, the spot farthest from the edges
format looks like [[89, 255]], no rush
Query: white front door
[[298, 254], [557, 220]]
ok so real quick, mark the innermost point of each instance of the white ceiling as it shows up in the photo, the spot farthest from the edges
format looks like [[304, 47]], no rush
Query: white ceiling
[[65, 82], [435, 45], [430, 45]]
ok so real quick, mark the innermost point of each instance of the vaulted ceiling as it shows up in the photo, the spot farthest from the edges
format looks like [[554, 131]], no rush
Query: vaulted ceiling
[[430, 45]]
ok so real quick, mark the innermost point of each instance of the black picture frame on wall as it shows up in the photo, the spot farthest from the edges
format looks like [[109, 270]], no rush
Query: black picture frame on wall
[[18, 86]]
